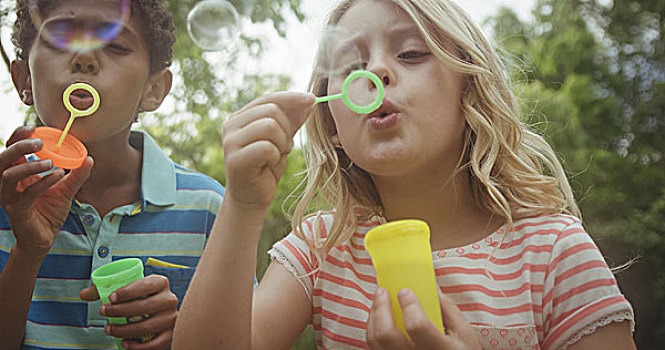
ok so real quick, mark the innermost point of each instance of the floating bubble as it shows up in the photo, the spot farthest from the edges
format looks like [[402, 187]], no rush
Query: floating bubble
[[337, 54], [340, 62], [81, 33], [213, 25]]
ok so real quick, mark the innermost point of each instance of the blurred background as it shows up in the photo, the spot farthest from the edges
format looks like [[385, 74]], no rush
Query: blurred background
[[590, 75]]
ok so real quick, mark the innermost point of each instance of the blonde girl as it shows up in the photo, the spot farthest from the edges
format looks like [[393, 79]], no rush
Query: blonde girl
[[515, 267]]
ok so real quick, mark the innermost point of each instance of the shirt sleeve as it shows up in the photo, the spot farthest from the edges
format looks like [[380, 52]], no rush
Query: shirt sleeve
[[297, 257], [580, 291]]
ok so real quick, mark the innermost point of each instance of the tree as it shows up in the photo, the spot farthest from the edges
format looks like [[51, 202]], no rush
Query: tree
[[595, 87]]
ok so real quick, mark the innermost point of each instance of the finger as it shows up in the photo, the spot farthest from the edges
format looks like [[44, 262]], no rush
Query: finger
[[155, 324], [268, 129], [262, 111], [71, 184], [156, 303], [12, 176], [22, 132], [16, 152], [423, 333], [161, 341], [453, 318], [150, 285], [255, 156], [301, 99], [382, 332], [295, 105], [36, 189], [89, 294]]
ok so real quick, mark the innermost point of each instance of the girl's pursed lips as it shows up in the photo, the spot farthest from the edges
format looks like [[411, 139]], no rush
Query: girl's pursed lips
[[384, 110]]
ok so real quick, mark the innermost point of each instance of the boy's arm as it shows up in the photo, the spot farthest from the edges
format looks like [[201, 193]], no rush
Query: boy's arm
[[17, 280], [37, 207]]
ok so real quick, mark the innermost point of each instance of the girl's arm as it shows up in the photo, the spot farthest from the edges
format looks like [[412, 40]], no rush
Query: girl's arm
[[220, 309]]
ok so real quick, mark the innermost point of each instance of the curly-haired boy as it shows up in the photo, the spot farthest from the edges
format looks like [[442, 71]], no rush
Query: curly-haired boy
[[133, 202]]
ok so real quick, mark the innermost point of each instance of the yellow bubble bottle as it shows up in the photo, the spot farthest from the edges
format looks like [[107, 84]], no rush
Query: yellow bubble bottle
[[402, 258]]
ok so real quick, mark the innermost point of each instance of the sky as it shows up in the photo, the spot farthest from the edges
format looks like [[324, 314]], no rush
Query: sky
[[292, 56]]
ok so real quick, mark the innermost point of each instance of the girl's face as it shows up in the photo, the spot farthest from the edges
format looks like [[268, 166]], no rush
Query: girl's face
[[419, 126]]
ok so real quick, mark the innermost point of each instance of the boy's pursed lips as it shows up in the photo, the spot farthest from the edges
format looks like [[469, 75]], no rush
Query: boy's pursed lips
[[79, 98]]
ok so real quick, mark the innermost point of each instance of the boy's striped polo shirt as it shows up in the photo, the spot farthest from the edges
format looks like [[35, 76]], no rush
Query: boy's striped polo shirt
[[169, 226]]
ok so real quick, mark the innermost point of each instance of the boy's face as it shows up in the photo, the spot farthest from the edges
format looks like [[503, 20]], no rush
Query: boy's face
[[119, 71]]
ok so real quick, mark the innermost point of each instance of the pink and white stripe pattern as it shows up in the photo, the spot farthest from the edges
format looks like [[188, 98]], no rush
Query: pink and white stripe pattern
[[540, 286]]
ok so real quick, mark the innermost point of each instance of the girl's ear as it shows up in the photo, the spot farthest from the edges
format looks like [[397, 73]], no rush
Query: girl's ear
[[157, 87], [335, 140], [20, 72], [331, 129]]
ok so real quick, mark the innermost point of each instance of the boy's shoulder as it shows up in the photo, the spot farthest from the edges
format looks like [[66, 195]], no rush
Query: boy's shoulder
[[158, 165], [191, 180]]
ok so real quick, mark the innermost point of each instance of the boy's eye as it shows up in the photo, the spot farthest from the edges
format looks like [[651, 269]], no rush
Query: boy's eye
[[413, 55], [117, 48], [50, 44]]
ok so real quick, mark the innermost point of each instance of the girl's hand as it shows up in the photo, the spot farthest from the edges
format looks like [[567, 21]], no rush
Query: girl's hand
[[257, 139], [36, 206], [382, 333], [148, 296]]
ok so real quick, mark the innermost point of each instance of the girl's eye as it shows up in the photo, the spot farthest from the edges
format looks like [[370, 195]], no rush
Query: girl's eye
[[352, 67], [413, 55]]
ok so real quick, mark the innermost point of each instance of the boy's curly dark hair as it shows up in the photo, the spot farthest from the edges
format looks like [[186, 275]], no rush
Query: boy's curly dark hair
[[158, 29]]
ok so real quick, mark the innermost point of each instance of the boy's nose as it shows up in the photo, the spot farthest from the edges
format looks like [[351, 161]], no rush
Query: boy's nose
[[84, 63]]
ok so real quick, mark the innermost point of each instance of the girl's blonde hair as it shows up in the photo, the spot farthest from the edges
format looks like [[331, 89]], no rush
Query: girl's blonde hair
[[513, 172]]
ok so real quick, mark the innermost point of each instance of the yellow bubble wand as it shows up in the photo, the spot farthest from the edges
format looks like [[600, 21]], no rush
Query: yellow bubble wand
[[75, 112]]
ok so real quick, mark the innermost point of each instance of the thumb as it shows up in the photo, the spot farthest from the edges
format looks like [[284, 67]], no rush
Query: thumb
[[296, 106], [453, 318], [75, 179], [89, 294]]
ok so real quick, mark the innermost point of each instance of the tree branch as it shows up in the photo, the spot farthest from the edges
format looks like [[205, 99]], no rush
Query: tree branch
[[5, 57]]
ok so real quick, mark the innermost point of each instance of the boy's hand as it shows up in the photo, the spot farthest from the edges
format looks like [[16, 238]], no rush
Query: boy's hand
[[36, 206], [382, 333], [148, 296], [257, 139]]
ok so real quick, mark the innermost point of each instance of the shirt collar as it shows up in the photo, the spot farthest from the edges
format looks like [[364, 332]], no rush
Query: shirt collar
[[158, 178]]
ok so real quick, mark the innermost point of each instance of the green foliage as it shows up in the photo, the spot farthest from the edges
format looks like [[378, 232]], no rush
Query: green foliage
[[595, 88]]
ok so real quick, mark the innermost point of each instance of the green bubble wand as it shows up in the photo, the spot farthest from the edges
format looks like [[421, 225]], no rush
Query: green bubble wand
[[344, 95]]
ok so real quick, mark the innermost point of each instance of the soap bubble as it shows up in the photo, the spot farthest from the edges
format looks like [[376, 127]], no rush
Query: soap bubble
[[337, 54], [214, 25], [81, 34], [338, 57]]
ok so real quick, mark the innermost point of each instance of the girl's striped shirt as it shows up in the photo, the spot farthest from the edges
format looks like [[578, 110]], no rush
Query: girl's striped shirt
[[543, 285]]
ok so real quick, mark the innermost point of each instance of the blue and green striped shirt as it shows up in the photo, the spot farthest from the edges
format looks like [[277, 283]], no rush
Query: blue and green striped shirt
[[170, 224]]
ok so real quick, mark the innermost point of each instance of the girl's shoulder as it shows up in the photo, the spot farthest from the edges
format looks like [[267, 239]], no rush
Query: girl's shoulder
[[543, 230], [552, 223]]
